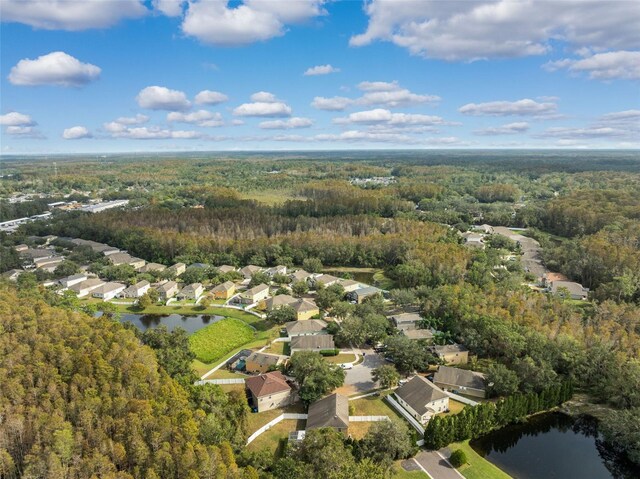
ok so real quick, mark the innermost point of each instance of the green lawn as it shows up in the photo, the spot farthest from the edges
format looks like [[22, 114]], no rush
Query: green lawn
[[402, 474], [341, 358], [270, 439], [214, 341], [477, 467]]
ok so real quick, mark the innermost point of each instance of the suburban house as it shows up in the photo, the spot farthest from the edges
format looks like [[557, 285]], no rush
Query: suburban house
[[177, 268], [85, 287], [305, 309], [316, 342], [168, 290], [136, 290], [255, 294], [325, 280], [20, 248], [549, 278], [191, 291], [225, 268], [575, 290], [350, 285], [451, 353], [224, 290], [422, 399], [125, 258], [48, 264], [359, 295], [305, 328], [408, 324], [149, 267], [107, 250], [269, 391], [280, 269], [474, 240], [12, 275], [469, 383], [330, 411], [262, 362], [300, 275], [71, 280], [108, 291], [278, 301], [249, 271]]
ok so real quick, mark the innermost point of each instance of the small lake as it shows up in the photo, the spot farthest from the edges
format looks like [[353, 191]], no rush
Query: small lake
[[553, 445], [191, 324]]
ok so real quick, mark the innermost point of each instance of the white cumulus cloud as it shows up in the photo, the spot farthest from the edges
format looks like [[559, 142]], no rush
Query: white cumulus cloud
[[603, 66], [139, 119], [14, 118], [263, 104], [321, 70], [295, 122], [209, 97], [336, 103], [484, 29], [200, 118], [76, 133], [162, 98], [70, 14], [215, 22], [56, 68], [524, 107], [380, 115]]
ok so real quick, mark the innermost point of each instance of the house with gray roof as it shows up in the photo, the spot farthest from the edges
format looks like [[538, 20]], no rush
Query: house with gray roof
[[422, 399], [462, 381], [359, 295], [136, 290], [310, 327], [575, 290], [330, 411], [316, 342]]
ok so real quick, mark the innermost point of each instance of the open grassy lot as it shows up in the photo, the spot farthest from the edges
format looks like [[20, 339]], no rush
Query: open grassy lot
[[256, 420], [341, 358], [280, 347], [477, 467], [454, 408], [270, 439], [214, 341]]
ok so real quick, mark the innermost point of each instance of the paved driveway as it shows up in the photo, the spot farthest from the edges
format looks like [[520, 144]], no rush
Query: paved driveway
[[435, 465], [358, 379]]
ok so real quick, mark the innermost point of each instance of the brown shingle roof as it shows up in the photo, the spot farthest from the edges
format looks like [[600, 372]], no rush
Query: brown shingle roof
[[266, 384], [459, 377], [317, 342], [309, 326]]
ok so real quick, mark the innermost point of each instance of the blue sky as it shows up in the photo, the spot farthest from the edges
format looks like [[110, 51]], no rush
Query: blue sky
[[124, 75]]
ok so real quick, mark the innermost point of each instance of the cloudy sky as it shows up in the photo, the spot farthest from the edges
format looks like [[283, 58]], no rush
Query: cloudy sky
[[159, 75]]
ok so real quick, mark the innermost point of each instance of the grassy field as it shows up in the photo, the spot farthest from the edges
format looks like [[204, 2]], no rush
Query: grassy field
[[454, 408], [477, 467], [270, 439], [270, 197], [216, 340], [280, 347], [341, 358], [402, 474]]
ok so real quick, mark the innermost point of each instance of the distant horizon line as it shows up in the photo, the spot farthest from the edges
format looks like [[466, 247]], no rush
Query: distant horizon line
[[337, 150]]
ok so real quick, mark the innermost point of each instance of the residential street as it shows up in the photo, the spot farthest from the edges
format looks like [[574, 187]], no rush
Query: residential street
[[358, 379]]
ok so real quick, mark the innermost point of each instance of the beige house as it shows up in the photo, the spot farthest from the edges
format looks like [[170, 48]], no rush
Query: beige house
[[305, 328], [191, 291], [255, 294], [452, 353], [460, 381], [316, 342], [224, 290], [225, 268], [269, 391], [350, 285], [152, 267], [108, 291], [262, 362], [168, 290], [85, 287], [177, 268], [325, 280], [280, 269], [330, 411], [136, 290], [305, 309], [278, 301], [300, 275], [422, 399], [71, 280], [250, 270]]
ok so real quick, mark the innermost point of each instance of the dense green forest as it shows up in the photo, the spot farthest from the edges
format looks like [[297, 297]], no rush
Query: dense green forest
[[269, 210]]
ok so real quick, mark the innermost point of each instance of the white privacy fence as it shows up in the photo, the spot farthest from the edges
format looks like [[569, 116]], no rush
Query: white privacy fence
[[220, 381], [461, 399], [368, 418], [273, 422], [416, 425]]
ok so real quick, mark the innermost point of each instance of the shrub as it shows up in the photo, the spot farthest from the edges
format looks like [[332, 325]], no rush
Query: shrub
[[330, 352], [458, 458]]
